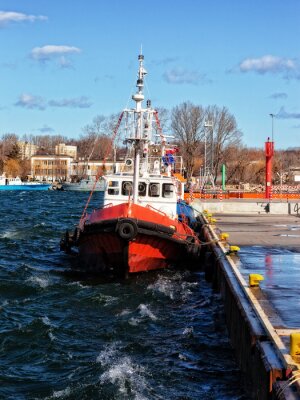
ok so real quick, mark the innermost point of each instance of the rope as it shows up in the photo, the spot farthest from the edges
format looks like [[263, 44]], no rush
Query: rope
[[100, 172]]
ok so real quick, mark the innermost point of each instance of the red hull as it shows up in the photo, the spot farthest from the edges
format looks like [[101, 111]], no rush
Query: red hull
[[129, 238]]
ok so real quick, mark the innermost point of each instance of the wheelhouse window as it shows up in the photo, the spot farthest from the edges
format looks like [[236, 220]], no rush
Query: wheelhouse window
[[154, 189], [142, 189], [168, 190], [113, 187], [126, 188]]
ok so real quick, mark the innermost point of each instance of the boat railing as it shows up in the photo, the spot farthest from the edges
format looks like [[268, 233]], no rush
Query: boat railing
[[104, 206], [158, 162], [157, 210]]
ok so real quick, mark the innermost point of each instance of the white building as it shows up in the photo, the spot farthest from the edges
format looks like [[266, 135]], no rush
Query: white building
[[66, 150], [27, 150]]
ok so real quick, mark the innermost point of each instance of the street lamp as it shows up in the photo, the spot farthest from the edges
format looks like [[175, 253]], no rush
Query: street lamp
[[207, 124], [272, 116]]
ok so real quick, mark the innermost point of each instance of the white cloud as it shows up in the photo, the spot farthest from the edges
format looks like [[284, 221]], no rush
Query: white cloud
[[164, 61], [31, 102], [9, 65], [46, 129], [181, 76], [10, 16], [36, 102], [279, 95], [290, 68], [79, 102], [50, 52], [282, 114]]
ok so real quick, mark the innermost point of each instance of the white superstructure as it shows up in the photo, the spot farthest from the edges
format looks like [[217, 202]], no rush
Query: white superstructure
[[148, 179]]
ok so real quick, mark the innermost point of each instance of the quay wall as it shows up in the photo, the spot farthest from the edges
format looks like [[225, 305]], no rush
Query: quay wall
[[264, 371], [247, 207]]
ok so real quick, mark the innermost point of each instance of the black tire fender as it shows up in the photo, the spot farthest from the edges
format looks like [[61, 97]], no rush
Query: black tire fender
[[193, 251], [127, 229]]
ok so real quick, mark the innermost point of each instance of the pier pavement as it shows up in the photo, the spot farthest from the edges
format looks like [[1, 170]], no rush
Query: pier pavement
[[265, 230], [260, 320], [248, 206]]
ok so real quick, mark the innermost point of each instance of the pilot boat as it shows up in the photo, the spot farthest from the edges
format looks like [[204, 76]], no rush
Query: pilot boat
[[136, 228]]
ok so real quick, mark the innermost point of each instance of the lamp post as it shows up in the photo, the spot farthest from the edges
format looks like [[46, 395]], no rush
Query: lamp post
[[272, 116], [207, 124], [269, 152]]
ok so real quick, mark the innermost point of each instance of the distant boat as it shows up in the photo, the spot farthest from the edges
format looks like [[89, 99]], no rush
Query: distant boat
[[17, 184], [85, 185]]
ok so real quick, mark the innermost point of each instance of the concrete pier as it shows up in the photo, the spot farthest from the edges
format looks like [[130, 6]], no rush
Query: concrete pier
[[261, 230], [243, 206], [259, 336]]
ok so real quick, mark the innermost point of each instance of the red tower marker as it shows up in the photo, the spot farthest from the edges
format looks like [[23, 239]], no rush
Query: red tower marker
[[269, 151]]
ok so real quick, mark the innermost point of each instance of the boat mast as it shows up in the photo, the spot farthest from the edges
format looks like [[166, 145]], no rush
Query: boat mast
[[139, 139]]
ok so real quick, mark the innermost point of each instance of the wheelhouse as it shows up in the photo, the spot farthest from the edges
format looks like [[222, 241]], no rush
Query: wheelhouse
[[158, 190]]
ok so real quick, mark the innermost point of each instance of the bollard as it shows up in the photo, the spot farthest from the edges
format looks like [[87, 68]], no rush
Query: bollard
[[254, 279], [224, 236], [295, 346]]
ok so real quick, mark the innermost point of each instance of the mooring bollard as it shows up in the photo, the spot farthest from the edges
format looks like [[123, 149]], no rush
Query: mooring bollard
[[254, 279], [295, 346]]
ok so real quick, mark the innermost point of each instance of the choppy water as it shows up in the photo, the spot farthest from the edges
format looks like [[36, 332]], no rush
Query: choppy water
[[156, 336]]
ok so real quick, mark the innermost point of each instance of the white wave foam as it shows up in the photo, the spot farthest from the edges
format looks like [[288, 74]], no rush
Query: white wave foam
[[78, 284], [182, 357], [39, 224], [61, 393], [174, 288], [123, 313], [46, 321], [134, 321], [41, 282], [51, 336], [122, 372], [4, 304], [164, 286], [146, 312], [104, 299], [108, 354], [9, 234], [188, 331]]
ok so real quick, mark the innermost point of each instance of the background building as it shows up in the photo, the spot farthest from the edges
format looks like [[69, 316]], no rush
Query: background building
[[66, 150], [51, 167], [27, 150], [82, 168]]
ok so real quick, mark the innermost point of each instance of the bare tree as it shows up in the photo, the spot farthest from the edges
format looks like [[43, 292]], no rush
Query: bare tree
[[88, 141], [9, 144], [163, 116], [45, 143], [187, 123], [224, 132]]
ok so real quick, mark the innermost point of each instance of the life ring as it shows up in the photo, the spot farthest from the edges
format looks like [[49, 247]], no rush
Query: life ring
[[127, 230]]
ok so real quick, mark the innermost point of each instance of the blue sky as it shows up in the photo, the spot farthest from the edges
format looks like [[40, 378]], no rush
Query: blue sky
[[62, 62]]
